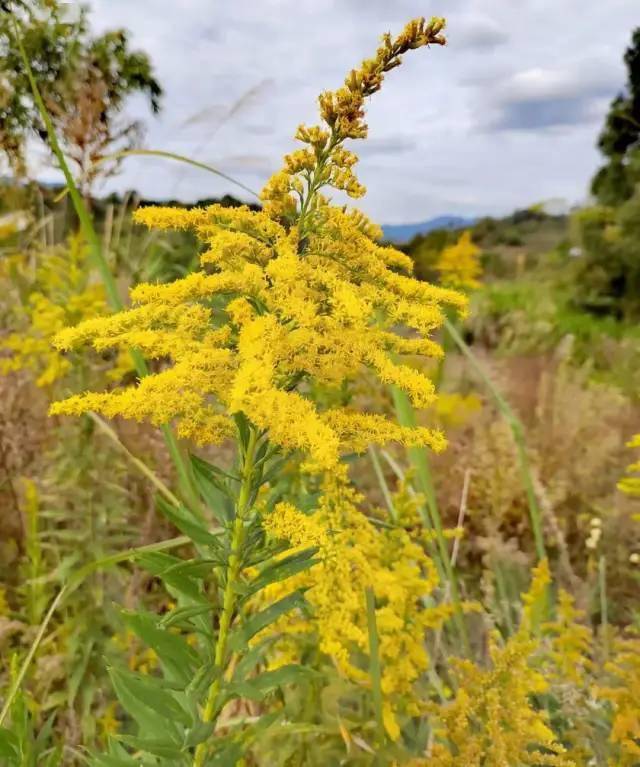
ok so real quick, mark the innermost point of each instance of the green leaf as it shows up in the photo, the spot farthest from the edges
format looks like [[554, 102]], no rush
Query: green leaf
[[228, 754], [182, 616], [284, 568], [45, 733], [199, 733], [214, 489], [249, 660], [239, 639], [9, 745], [80, 669], [273, 471], [259, 686], [207, 468], [151, 721], [156, 746], [179, 660], [186, 523], [169, 569], [109, 760], [244, 428], [116, 757], [149, 691], [375, 670], [193, 568]]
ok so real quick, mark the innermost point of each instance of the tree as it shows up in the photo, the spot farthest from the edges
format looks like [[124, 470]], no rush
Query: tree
[[84, 80], [609, 232], [620, 138]]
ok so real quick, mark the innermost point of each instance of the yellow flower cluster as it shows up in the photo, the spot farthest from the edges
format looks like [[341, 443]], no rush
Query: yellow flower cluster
[[492, 719], [294, 296], [454, 409], [631, 484], [324, 161], [623, 695], [355, 554], [261, 322], [56, 294], [32, 348], [459, 265], [570, 643]]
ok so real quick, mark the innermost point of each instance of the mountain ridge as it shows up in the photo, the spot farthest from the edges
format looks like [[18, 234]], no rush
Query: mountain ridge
[[402, 233]]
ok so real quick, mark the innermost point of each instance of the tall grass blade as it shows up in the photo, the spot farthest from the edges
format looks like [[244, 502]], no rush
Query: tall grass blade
[[375, 669], [180, 158], [517, 430], [420, 461]]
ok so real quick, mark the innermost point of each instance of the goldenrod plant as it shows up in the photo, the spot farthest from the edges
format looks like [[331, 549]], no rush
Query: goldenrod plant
[[297, 295], [631, 483], [459, 264]]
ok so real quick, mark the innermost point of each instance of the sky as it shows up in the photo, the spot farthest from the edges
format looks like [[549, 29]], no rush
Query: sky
[[506, 115]]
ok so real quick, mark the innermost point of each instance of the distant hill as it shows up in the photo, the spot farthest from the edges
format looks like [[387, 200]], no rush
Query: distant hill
[[401, 233]]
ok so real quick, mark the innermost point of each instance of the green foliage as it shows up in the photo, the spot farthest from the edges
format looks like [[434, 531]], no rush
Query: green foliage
[[620, 138], [174, 710], [609, 272], [539, 313]]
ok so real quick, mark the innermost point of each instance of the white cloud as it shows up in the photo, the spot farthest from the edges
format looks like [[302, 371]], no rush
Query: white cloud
[[542, 69]]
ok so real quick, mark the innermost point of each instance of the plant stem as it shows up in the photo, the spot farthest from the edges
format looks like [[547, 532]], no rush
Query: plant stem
[[180, 158], [234, 566], [419, 459], [604, 605], [375, 670], [383, 483]]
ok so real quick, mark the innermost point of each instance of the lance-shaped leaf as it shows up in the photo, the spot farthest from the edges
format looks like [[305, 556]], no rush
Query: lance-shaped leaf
[[240, 637]]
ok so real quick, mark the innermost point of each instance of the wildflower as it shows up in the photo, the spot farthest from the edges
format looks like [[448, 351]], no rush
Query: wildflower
[[59, 295], [621, 693], [459, 264], [353, 555], [107, 722], [456, 409], [492, 718], [292, 297], [631, 484], [570, 642], [595, 533]]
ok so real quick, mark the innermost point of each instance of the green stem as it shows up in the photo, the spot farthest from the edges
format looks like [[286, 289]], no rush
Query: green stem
[[503, 596], [419, 459], [604, 605], [97, 256], [377, 468], [518, 435], [375, 670], [234, 565]]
